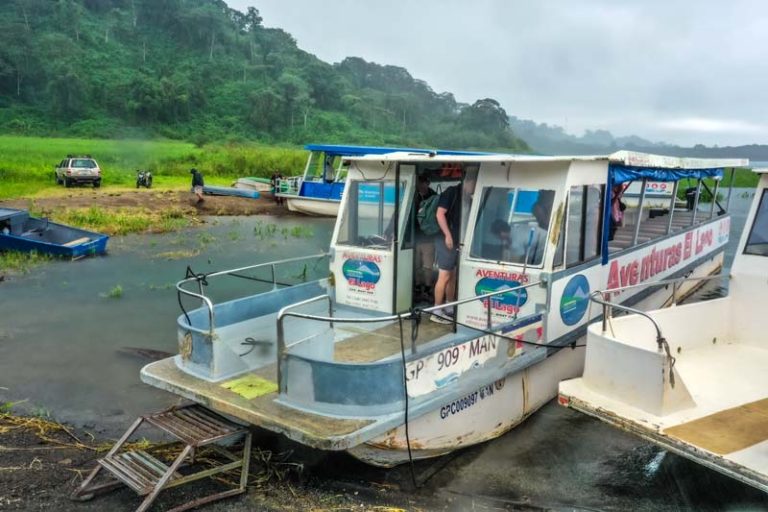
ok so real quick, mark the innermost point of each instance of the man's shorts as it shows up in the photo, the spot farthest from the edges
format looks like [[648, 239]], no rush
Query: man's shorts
[[198, 189], [446, 258]]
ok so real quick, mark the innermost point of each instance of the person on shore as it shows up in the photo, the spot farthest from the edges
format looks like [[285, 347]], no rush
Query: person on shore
[[275, 180], [197, 185], [449, 218]]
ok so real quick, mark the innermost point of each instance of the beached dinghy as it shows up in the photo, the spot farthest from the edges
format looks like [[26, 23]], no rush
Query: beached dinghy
[[692, 379], [260, 185], [230, 191], [21, 232], [353, 362]]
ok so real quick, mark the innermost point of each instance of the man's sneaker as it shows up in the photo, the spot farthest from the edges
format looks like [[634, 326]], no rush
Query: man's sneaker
[[443, 317]]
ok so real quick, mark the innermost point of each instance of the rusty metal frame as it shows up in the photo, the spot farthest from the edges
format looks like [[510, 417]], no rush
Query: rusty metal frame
[[196, 427]]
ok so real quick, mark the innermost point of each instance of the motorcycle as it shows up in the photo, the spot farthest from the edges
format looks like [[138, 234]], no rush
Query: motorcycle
[[143, 179]]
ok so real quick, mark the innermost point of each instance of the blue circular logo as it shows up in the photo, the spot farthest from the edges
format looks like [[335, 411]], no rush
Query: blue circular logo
[[575, 299], [360, 272], [508, 302]]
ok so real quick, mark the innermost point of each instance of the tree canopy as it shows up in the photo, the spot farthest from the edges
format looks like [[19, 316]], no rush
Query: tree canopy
[[194, 69]]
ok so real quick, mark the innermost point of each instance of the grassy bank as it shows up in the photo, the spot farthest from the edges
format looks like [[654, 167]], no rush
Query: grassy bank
[[122, 221], [15, 262], [742, 178], [27, 163]]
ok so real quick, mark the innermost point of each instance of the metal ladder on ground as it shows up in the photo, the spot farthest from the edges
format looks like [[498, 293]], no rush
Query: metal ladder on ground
[[193, 425]]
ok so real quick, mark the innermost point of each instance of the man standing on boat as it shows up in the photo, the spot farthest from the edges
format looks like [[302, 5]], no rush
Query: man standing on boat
[[425, 243], [452, 202]]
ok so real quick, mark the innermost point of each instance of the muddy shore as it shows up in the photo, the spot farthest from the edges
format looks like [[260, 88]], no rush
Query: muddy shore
[[42, 462], [152, 200]]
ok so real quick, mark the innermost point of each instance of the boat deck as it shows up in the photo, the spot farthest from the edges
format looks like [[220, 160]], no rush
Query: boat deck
[[252, 398], [726, 429], [365, 346]]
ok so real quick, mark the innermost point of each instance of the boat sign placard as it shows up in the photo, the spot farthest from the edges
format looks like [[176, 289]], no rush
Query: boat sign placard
[[441, 368], [575, 299], [361, 273]]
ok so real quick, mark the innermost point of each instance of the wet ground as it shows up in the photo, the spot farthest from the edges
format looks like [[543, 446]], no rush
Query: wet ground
[[86, 197], [62, 328]]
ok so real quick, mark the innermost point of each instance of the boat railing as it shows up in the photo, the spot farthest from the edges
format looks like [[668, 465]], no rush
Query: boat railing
[[602, 297], [290, 185], [202, 280], [287, 311]]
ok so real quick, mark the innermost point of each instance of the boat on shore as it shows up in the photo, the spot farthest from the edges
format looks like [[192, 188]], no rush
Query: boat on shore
[[691, 379], [230, 191], [21, 232], [318, 191], [261, 185], [353, 362]]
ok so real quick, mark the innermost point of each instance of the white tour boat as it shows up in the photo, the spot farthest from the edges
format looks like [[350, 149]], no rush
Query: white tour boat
[[694, 378], [352, 361]]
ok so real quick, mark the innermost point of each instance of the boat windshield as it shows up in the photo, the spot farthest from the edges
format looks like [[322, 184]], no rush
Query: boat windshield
[[757, 243], [324, 167], [368, 218], [512, 225]]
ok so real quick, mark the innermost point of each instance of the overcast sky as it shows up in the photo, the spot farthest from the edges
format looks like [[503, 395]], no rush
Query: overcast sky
[[684, 72]]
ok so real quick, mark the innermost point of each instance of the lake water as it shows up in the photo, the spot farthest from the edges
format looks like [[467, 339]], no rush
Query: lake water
[[61, 335]]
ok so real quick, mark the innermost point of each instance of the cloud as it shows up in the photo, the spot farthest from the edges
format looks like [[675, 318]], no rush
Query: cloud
[[702, 125], [629, 67]]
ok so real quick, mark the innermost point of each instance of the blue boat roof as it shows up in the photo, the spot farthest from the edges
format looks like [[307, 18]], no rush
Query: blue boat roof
[[340, 150]]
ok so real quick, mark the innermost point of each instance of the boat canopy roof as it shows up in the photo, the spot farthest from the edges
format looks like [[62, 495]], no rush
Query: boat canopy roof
[[334, 149], [623, 165]]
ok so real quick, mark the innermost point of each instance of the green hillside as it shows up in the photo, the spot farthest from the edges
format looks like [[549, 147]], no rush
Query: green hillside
[[199, 71]]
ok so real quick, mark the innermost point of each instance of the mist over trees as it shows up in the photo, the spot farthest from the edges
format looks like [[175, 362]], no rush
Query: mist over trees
[[198, 70]]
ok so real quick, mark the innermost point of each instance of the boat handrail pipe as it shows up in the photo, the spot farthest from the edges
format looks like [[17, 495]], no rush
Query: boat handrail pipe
[[285, 312], [201, 278]]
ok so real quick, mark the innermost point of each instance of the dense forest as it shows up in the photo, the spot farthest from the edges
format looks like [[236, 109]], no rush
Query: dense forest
[[200, 71]]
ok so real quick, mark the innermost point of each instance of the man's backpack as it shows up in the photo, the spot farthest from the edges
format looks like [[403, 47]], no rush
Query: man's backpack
[[427, 215]]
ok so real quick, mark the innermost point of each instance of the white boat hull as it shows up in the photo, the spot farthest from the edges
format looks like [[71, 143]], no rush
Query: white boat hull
[[483, 414], [497, 407], [312, 206]]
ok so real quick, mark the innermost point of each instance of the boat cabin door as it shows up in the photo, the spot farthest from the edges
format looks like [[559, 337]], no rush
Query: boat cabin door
[[371, 268]]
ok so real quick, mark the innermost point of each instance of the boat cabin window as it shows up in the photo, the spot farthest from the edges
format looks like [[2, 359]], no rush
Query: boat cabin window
[[512, 225], [368, 220], [584, 224], [757, 243], [324, 167]]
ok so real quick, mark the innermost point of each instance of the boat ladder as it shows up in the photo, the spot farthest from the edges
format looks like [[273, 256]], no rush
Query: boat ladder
[[193, 425]]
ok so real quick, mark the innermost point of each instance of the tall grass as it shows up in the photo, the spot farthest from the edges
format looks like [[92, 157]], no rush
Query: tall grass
[[121, 221], [21, 262], [742, 178], [27, 163]]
